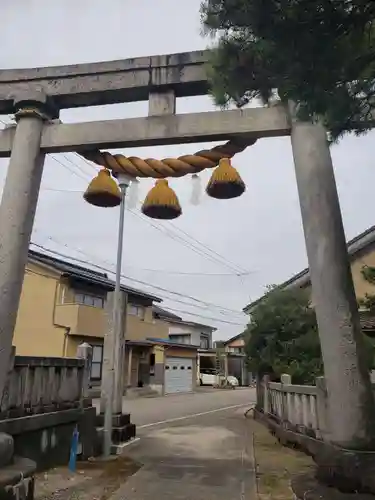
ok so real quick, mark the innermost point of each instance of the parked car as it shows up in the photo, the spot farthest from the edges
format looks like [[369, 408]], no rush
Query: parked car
[[208, 377], [233, 381]]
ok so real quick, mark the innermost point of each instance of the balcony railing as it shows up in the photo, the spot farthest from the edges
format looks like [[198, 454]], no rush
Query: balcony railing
[[82, 320]]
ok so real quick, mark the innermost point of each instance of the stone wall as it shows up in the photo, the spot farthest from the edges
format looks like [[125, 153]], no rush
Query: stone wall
[[44, 401]]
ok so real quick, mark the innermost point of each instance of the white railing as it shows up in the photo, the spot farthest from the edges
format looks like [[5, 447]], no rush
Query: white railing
[[302, 408]]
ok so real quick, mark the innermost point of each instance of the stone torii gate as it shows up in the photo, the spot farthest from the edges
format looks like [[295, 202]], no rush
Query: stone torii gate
[[36, 97]]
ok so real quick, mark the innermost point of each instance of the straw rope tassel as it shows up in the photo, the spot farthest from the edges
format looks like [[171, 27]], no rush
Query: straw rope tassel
[[225, 182], [161, 202]]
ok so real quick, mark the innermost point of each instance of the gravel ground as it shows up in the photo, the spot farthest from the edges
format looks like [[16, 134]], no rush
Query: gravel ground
[[94, 480]]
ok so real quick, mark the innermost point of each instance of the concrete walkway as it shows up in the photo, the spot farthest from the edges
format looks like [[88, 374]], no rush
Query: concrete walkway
[[208, 457]]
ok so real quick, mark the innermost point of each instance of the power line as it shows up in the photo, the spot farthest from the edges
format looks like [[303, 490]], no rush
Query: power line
[[240, 269], [167, 232], [79, 173], [167, 308], [185, 243], [161, 271], [181, 273], [205, 251], [223, 310]]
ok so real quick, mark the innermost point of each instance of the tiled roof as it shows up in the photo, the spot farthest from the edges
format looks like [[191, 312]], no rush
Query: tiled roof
[[165, 314], [86, 274], [302, 279]]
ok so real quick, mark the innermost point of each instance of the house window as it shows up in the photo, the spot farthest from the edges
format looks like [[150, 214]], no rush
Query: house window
[[204, 342], [236, 350], [97, 362], [87, 299], [180, 339], [137, 311]]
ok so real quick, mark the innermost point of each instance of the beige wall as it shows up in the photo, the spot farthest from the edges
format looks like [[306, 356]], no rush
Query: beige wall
[[236, 343], [85, 321], [73, 341], [35, 333], [140, 329], [180, 353], [47, 311], [361, 286]]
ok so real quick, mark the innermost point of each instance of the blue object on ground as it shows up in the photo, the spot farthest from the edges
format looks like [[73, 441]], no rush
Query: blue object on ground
[[73, 450]]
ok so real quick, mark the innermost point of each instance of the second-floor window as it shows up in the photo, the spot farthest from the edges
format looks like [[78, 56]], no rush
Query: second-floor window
[[180, 339], [204, 343], [88, 300], [236, 350], [135, 310]]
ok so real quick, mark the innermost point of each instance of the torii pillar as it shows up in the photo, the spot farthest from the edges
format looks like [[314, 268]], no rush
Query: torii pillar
[[17, 212], [347, 460], [351, 402]]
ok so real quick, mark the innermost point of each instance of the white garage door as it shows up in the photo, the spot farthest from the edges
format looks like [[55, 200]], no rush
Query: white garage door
[[178, 375]]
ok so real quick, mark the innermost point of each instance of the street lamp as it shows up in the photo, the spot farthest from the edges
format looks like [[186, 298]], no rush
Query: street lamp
[[104, 192], [124, 182]]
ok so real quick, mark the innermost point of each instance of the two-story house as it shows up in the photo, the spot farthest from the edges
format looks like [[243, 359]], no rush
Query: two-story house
[[189, 332], [361, 251], [63, 304], [234, 350], [195, 334]]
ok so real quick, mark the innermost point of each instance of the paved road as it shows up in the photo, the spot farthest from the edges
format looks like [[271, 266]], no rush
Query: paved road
[[193, 447], [145, 411]]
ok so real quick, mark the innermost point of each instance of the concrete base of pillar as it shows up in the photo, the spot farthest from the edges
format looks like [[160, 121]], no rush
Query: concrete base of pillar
[[347, 470], [118, 419], [17, 479], [307, 487], [6, 449], [122, 431], [337, 468]]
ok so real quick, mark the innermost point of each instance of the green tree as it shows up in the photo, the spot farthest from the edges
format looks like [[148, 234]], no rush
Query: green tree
[[317, 53], [282, 336], [368, 301]]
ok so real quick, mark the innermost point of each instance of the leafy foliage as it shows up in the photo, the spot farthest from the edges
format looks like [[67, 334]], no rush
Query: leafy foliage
[[317, 53], [368, 302], [282, 337], [368, 273]]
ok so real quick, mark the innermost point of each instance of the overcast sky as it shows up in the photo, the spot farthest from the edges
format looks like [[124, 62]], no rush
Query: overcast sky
[[260, 234]]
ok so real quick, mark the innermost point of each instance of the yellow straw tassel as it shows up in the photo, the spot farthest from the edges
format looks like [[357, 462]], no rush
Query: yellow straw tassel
[[225, 182], [103, 191], [161, 202]]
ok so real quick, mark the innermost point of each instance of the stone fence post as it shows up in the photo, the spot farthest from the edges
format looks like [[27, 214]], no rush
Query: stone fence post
[[84, 351], [285, 379], [259, 393], [266, 396]]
